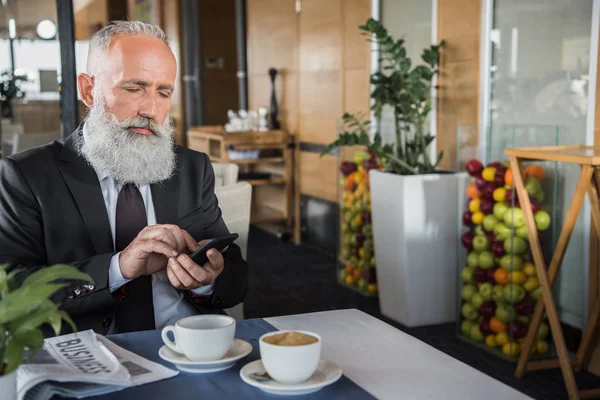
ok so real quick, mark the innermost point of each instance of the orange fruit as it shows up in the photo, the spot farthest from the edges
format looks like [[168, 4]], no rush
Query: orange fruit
[[508, 178], [501, 276], [472, 191], [536, 171], [497, 326], [348, 269], [357, 273], [349, 182]]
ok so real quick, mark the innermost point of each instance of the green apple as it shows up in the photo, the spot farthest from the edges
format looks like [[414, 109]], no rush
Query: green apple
[[514, 293], [489, 221], [524, 319], [479, 231], [481, 243], [511, 263], [533, 186], [543, 332], [498, 294], [536, 293], [486, 259], [522, 232], [465, 327], [499, 210], [514, 218], [477, 300], [515, 245], [503, 313], [476, 333], [467, 274], [473, 259], [486, 291], [540, 196], [542, 220], [468, 291], [362, 284], [469, 312], [501, 231]]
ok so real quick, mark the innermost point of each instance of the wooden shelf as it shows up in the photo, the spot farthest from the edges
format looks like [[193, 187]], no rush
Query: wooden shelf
[[261, 182], [259, 160], [266, 214]]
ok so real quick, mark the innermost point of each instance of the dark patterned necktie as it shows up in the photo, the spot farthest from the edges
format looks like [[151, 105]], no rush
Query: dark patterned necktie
[[136, 311]]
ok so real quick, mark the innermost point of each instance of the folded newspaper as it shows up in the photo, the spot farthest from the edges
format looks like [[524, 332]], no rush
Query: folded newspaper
[[81, 365]]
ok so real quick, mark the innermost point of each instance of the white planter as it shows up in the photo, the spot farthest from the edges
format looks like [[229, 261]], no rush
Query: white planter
[[8, 386], [415, 233]]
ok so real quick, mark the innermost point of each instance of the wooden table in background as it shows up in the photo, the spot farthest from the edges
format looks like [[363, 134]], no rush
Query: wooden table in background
[[589, 160]]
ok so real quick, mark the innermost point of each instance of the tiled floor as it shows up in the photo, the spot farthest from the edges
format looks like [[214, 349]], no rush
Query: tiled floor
[[287, 279]]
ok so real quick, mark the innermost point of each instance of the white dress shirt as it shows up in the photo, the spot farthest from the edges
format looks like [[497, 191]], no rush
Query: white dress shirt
[[169, 303]]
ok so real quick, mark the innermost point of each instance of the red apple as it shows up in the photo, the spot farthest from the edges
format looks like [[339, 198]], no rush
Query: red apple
[[488, 193], [498, 249], [491, 237], [372, 155], [525, 307], [495, 164], [535, 206], [360, 239], [490, 275], [480, 183], [372, 275], [347, 167], [466, 218], [467, 240], [370, 164], [474, 168], [488, 309], [486, 206], [517, 329], [480, 275], [484, 326]]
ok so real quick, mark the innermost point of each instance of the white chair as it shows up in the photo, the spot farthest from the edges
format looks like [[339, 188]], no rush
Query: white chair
[[235, 202], [26, 141], [225, 173]]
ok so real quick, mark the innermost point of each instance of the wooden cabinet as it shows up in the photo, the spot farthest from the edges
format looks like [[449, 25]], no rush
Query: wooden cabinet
[[266, 162]]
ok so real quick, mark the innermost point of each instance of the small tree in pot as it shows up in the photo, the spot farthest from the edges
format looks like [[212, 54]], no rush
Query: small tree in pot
[[24, 308], [414, 209]]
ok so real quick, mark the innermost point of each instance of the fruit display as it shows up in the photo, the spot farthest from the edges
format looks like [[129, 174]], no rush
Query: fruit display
[[499, 283], [357, 255]]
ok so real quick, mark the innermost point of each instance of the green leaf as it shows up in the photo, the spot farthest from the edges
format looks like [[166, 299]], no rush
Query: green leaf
[[59, 271], [68, 319], [33, 339], [55, 321], [33, 320], [439, 158], [14, 355], [25, 299]]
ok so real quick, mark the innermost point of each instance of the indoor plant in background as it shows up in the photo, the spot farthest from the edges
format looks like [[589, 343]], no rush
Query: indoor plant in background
[[24, 308], [414, 204]]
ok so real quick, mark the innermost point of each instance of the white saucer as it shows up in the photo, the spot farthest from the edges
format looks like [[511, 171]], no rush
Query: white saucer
[[239, 349], [327, 373]]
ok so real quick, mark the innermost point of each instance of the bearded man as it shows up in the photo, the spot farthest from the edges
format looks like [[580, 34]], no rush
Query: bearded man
[[118, 200]]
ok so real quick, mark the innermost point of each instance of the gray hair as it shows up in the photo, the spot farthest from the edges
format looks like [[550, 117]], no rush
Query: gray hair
[[100, 41]]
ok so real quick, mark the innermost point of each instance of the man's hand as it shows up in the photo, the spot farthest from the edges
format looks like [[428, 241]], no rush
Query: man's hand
[[184, 273], [154, 245]]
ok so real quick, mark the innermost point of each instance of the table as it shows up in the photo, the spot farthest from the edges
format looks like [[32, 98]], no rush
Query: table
[[589, 159], [383, 361]]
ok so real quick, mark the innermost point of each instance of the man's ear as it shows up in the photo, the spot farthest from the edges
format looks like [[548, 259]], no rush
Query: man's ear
[[85, 84]]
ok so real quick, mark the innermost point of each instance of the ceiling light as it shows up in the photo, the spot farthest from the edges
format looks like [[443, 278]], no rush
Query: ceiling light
[[12, 28]]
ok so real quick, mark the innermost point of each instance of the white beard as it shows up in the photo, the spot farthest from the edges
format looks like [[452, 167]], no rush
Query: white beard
[[112, 149]]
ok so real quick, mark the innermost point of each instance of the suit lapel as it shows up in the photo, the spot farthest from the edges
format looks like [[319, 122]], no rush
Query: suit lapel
[[164, 197], [85, 189]]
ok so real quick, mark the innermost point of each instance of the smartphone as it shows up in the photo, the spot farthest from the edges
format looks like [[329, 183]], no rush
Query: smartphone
[[199, 256]]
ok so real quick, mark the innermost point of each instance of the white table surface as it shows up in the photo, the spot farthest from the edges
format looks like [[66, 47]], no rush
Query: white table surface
[[391, 364]]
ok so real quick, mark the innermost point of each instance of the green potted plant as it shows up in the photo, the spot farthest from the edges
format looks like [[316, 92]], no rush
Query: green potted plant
[[414, 203], [24, 308]]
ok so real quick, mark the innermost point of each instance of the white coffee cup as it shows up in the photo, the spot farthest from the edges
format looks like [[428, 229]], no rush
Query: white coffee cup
[[290, 364], [201, 337]]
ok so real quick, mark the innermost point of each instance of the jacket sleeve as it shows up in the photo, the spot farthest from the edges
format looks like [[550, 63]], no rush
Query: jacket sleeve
[[22, 245], [231, 286]]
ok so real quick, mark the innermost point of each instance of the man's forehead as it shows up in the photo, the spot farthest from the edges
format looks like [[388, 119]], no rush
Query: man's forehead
[[132, 55]]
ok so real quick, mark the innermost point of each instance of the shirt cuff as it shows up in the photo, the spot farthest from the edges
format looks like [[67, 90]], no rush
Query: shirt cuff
[[203, 290], [115, 277]]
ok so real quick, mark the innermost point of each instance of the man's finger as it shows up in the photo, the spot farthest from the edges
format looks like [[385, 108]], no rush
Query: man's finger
[[155, 246], [216, 262], [182, 274], [160, 232], [190, 242], [200, 274], [175, 282]]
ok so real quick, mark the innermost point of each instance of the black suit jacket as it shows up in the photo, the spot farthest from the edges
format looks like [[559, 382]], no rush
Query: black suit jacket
[[52, 211]]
